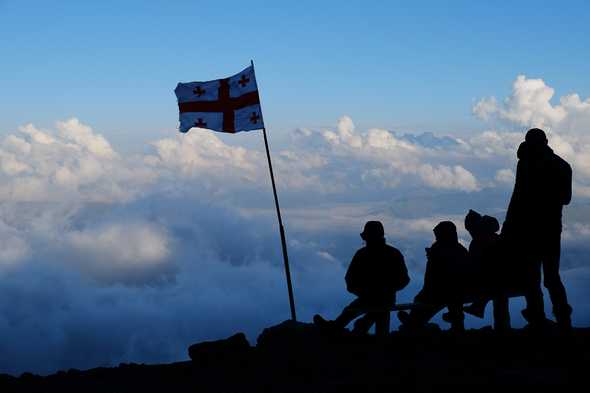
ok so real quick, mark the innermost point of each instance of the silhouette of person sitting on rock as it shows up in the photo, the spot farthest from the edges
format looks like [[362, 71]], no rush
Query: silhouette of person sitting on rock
[[489, 269], [444, 281], [376, 272], [532, 229]]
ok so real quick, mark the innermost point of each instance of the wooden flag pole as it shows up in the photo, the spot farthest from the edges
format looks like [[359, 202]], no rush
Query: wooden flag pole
[[281, 228]]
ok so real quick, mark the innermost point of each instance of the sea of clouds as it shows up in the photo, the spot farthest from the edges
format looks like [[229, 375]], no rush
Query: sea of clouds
[[108, 257]]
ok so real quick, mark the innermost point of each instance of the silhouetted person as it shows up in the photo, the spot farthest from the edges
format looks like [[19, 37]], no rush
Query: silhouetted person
[[444, 281], [488, 266], [532, 228], [375, 273]]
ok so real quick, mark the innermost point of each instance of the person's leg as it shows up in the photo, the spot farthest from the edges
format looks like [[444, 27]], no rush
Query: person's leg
[[534, 312], [355, 309], [363, 324], [552, 281], [419, 316], [456, 316], [501, 313], [381, 323], [477, 308]]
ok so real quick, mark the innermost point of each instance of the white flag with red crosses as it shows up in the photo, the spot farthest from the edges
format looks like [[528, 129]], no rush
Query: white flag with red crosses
[[227, 105]]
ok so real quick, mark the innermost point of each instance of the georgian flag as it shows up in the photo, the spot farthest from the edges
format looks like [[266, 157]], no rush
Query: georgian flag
[[227, 105]]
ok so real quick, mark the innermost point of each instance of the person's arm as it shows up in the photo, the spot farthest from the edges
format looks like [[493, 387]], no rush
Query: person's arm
[[429, 272], [514, 199], [353, 284], [403, 277], [567, 184]]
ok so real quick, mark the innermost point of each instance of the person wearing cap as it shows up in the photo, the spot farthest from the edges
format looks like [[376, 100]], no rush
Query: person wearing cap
[[532, 228], [447, 268], [376, 272]]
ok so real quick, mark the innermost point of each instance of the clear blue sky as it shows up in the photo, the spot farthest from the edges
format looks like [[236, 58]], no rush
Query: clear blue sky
[[114, 64]]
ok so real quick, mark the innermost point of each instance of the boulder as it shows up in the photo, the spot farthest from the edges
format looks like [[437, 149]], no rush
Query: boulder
[[209, 352]]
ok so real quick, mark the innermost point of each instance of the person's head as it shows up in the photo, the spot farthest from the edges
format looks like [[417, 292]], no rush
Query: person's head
[[489, 225], [535, 144], [536, 137], [373, 232], [473, 223], [446, 232]]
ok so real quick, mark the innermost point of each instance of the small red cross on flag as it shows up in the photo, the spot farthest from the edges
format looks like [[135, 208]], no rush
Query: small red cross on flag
[[227, 105]]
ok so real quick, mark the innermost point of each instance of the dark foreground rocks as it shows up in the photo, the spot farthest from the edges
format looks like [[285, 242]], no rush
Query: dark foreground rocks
[[297, 357]]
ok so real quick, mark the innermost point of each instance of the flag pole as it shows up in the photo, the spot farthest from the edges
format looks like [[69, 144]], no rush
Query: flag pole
[[281, 228]]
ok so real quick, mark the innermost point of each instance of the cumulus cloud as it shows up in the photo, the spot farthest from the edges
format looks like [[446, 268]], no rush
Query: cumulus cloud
[[390, 159], [505, 176], [83, 136], [204, 153], [107, 257], [123, 252], [530, 105], [13, 247], [74, 164]]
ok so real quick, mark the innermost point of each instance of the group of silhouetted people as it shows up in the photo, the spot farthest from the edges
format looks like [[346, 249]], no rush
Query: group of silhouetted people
[[495, 267]]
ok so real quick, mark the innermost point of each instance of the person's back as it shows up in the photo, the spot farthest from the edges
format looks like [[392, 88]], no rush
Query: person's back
[[490, 272], [532, 229], [542, 188], [377, 271], [444, 281], [446, 267], [484, 248]]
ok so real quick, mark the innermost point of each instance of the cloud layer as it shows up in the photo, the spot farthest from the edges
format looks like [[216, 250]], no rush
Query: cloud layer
[[107, 257]]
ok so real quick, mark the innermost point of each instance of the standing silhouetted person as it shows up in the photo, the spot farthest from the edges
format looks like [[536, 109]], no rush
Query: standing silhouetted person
[[376, 272], [447, 268], [533, 224]]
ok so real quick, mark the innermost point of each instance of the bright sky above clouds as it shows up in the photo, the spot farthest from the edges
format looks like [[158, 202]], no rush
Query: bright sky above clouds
[[393, 64], [122, 240]]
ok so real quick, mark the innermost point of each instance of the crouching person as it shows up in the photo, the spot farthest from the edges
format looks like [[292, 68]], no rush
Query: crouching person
[[374, 275], [444, 281]]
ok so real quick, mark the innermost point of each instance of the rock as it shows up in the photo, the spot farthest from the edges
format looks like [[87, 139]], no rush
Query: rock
[[208, 352], [288, 333]]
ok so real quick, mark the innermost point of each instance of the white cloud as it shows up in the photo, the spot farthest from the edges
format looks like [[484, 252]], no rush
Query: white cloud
[[13, 248], [129, 253], [157, 236], [198, 153], [122, 244], [390, 160], [529, 105], [74, 165], [446, 177], [505, 176], [83, 136]]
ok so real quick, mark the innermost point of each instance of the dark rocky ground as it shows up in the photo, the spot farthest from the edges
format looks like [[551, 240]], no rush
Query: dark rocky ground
[[299, 358]]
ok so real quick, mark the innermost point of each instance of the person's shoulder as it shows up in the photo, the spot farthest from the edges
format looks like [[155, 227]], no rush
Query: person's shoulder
[[560, 161], [392, 249], [360, 252]]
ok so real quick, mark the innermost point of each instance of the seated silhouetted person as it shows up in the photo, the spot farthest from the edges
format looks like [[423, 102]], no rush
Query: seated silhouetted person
[[532, 229], [444, 281], [490, 281], [374, 275]]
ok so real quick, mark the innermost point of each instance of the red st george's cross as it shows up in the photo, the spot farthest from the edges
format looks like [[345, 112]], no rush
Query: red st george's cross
[[228, 105]]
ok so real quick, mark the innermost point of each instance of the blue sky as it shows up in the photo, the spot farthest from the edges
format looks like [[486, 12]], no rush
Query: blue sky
[[122, 240], [390, 64]]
